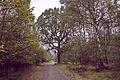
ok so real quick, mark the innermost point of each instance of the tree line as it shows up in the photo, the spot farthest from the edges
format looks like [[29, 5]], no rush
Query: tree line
[[19, 42], [83, 32]]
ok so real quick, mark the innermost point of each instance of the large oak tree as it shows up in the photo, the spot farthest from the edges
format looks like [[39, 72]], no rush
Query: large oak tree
[[56, 29]]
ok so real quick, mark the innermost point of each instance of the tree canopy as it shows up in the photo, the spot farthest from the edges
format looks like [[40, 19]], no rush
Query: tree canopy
[[55, 29], [19, 42]]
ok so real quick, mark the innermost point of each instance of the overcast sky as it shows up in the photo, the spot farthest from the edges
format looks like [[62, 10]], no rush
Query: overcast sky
[[42, 5]]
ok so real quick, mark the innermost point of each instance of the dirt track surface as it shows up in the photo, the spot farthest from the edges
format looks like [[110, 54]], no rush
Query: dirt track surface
[[49, 72]]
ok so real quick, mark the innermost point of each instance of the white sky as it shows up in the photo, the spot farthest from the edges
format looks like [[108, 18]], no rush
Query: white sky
[[42, 5]]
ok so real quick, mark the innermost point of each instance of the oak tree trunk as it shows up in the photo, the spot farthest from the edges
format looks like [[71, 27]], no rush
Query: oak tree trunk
[[59, 56]]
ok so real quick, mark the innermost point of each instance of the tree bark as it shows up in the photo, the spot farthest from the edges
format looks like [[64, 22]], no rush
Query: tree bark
[[59, 56]]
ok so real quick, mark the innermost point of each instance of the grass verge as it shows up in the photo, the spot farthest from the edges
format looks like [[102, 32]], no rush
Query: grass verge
[[30, 73], [72, 71]]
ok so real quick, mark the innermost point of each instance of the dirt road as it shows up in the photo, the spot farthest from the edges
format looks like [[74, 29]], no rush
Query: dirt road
[[49, 72]]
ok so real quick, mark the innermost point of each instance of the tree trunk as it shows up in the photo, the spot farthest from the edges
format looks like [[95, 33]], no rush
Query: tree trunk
[[59, 56]]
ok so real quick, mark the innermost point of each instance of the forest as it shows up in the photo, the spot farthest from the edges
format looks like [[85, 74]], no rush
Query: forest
[[19, 40], [83, 32], [80, 33]]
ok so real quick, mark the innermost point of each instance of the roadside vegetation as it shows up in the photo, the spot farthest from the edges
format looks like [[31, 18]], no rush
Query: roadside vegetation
[[93, 52], [19, 40], [82, 72]]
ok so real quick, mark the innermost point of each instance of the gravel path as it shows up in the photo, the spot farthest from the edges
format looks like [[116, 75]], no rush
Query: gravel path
[[49, 72]]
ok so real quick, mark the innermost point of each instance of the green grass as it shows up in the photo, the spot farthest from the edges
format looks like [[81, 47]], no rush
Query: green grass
[[89, 74], [30, 73]]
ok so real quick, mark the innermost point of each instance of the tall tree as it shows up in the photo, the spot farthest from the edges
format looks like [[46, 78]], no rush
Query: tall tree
[[98, 20], [55, 29]]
